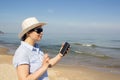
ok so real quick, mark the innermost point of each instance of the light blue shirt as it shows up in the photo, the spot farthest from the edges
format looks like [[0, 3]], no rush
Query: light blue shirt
[[31, 55]]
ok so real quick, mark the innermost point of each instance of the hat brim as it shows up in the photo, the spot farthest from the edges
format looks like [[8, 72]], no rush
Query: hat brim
[[23, 32]]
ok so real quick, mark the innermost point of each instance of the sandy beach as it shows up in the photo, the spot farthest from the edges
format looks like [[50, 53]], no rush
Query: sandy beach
[[58, 72]]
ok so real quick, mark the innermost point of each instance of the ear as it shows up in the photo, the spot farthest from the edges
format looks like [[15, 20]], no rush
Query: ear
[[27, 34]]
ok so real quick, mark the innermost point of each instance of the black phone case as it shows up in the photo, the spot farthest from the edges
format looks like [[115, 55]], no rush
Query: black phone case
[[65, 48]]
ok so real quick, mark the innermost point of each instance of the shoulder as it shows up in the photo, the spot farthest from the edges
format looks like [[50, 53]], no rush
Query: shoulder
[[21, 56], [21, 50]]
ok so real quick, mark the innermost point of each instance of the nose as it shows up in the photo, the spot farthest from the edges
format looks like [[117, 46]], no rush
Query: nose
[[41, 33]]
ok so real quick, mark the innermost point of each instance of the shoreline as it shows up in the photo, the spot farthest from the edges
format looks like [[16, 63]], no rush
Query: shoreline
[[4, 57], [58, 72]]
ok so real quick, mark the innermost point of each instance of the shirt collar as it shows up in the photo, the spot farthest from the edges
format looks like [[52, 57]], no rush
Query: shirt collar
[[32, 48]]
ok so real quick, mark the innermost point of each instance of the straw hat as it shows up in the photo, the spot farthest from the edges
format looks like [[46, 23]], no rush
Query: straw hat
[[29, 24]]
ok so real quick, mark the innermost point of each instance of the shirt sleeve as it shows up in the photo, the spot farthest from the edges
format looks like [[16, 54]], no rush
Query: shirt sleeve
[[21, 57]]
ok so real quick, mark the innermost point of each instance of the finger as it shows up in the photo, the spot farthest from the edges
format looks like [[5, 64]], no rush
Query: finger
[[46, 55], [47, 60], [62, 46], [67, 51]]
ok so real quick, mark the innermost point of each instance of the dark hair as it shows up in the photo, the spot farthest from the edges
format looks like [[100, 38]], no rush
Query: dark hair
[[24, 37]]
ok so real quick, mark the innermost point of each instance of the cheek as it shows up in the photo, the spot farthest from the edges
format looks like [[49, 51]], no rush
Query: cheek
[[33, 35], [39, 37], [36, 36]]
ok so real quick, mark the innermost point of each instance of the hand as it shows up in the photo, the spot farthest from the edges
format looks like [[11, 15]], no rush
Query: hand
[[46, 61], [64, 53]]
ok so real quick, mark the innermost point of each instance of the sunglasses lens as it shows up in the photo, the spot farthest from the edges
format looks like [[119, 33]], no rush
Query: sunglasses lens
[[39, 30]]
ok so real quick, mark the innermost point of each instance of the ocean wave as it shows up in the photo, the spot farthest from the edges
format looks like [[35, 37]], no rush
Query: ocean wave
[[87, 45], [93, 54], [116, 48], [115, 40], [96, 46], [113, 66]]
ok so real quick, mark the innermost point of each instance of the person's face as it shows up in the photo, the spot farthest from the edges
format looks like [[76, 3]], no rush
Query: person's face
[[36, 34]]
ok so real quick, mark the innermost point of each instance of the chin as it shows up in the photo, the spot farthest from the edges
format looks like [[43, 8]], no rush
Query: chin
[[39, 39]]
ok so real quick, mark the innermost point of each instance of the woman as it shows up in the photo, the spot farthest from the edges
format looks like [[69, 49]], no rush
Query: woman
[[30, 62]]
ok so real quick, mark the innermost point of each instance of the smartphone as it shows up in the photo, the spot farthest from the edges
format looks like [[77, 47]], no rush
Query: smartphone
[[65, 48]]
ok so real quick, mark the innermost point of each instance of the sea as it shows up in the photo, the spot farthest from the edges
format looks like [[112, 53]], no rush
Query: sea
[[98, 51]]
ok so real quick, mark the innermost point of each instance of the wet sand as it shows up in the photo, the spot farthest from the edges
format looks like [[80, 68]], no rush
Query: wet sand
[[58, 72]]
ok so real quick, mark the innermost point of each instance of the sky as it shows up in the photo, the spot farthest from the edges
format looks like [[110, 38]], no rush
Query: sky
[[62, 16]]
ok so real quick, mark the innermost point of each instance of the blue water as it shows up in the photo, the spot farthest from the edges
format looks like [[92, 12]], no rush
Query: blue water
[[96, 50]]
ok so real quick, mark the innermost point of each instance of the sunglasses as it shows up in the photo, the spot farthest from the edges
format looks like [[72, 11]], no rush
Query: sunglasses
[[37, 30]]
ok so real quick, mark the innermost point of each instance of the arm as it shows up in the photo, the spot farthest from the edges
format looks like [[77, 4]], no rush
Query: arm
[[58, 57], [23, 71], [55, 60]]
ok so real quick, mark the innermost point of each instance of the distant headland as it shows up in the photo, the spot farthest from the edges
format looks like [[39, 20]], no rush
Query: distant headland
[[1, 32]]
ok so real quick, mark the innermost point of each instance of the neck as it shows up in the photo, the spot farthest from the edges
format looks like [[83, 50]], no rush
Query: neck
[[30, 41]]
